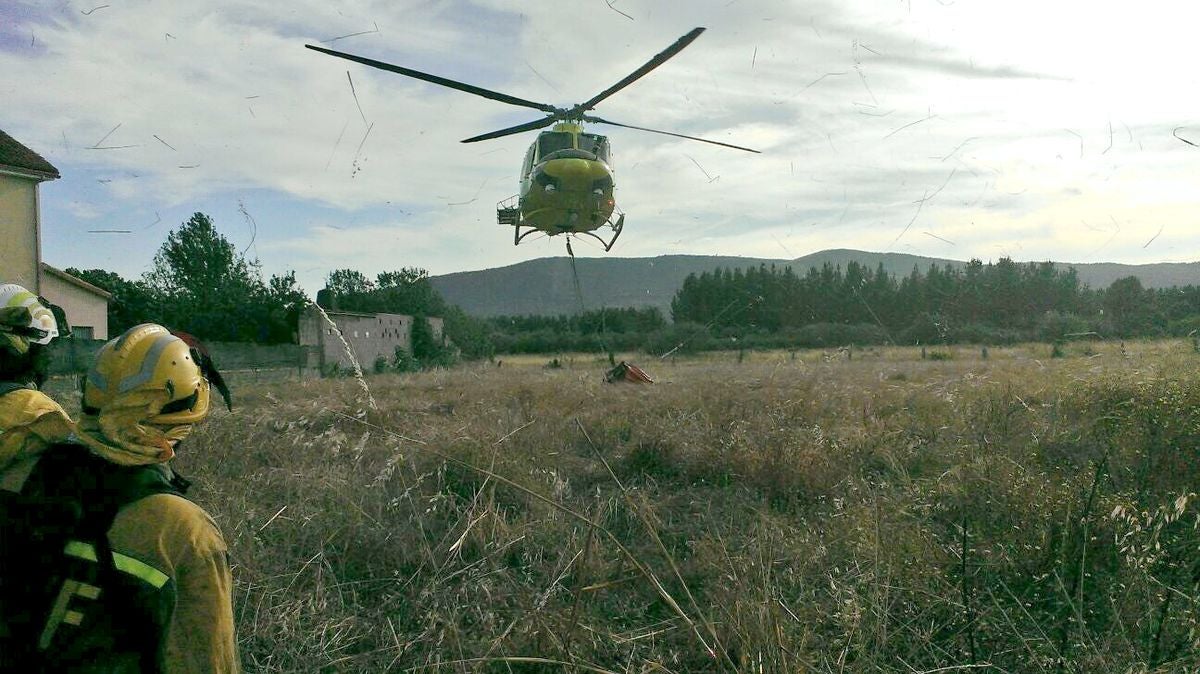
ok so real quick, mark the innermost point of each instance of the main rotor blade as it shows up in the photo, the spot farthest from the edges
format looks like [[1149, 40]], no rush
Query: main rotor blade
[[597, 120], [527, 126], [650, 65], [453, 84]]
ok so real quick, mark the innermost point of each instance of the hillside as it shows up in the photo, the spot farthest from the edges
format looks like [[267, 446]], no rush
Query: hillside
[[545, 286]]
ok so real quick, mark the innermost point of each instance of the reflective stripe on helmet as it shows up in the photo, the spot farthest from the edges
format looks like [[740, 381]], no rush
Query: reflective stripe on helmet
[[41, 319], [149, 362]]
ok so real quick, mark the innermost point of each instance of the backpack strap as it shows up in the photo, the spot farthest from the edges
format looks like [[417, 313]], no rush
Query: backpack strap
[[7, 387], [71, 473]]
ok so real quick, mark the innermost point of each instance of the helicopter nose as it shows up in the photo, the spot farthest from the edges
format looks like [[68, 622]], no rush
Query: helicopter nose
[[571, 175], [572, 169]]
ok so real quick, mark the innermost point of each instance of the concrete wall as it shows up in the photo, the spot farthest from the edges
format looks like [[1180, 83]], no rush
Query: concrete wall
[[19, 259], [251, 356], [84, 309], [370, 336], [75, 355], [319, 351]]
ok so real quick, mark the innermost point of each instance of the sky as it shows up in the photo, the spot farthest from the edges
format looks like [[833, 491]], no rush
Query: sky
[[1066, 131]]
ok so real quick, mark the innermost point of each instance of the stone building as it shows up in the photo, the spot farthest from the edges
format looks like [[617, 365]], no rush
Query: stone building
[[370, 336]]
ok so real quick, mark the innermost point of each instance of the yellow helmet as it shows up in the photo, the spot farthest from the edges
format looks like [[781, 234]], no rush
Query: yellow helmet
[[148, 358], [24, 319]]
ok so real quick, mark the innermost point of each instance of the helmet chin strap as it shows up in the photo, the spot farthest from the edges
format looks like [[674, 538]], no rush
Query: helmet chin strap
[[40, 365]]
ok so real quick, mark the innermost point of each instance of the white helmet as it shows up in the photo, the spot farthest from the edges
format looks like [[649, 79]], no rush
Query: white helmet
[[24, 319]]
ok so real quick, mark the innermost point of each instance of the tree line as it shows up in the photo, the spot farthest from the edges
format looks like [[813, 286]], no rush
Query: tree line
[[1000, 302], [607, 329], [199, 282]]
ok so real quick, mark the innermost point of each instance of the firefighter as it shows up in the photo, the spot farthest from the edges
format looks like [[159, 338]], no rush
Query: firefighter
[[29, 420], [107, 566]]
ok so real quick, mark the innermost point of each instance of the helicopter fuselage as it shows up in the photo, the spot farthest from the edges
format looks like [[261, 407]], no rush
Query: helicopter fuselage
[[566, 182], [567, 194]]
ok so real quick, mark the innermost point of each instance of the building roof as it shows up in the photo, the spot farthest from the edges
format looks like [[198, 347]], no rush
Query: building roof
[[20, 159], [76, 281]]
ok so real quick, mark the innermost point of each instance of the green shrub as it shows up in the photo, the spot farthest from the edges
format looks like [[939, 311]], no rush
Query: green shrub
[[824, 335], [403, 361], [679, 338], [1054, 326]]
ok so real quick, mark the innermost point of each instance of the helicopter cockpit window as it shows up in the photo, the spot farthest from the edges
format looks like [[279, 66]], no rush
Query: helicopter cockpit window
[[553, 141], [597, 145], [527, 165]]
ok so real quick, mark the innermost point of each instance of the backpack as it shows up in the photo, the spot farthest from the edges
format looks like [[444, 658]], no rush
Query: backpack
[[67, 601], [7, 387]]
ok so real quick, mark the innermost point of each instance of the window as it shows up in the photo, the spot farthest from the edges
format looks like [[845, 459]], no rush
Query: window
[[597, 145], [83, 332], [527, 165], [553, 141]]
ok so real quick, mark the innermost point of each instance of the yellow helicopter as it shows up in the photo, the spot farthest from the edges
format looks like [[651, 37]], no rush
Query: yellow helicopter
[[566, 177]]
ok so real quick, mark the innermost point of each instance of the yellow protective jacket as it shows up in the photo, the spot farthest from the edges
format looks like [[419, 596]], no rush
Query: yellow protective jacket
[[177, 537], [30, 421], [172, 569]]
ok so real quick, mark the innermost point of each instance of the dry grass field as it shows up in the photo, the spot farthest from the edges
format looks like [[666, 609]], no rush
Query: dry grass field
[[806, 512]]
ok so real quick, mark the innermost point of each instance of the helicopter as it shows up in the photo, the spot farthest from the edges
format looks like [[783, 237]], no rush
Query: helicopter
[[566, 184]]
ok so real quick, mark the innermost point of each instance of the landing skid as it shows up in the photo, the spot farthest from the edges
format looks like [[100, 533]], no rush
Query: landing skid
[[617, 227], [519, 235]]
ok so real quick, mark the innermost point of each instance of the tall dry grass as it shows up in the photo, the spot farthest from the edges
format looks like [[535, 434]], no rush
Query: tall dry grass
[[789, 514]]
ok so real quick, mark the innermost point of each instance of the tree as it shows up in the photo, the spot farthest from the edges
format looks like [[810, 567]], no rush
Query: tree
[[1128, 307], [407, 291], [284, 302], [404, 277], [207, 287], [342, 282], [202, 285], [427, 348], [132, 302], [472, 336]]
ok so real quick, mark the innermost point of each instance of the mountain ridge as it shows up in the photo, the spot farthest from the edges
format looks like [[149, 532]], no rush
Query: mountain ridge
[[546, 286]]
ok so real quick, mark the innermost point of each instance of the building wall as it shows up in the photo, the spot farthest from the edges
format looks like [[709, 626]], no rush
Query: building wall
[[75, 356], [370, 336], [83, 309], [19, 260]]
